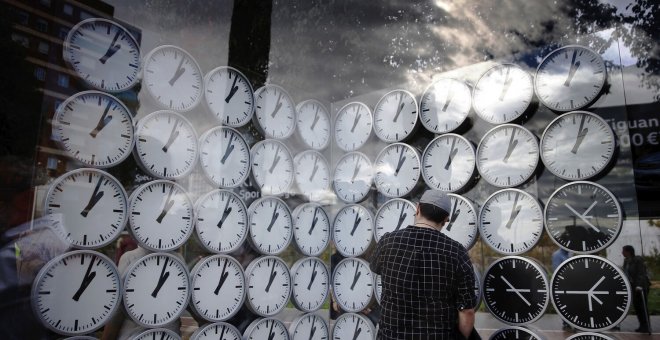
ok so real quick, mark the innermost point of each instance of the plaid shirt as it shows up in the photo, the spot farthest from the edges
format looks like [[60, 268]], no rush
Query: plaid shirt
[[427, 278]]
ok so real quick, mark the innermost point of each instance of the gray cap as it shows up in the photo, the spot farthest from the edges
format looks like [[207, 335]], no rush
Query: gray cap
[[437, 198]]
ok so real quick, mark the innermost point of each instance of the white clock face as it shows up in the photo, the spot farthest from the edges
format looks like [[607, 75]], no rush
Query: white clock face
[[395, 214], [462, 224], [218, 287], [156, 333], [589, 336], [397, 170], [353, 230], [353, 126], [353, 176], [103, 54], [173, 78], [511, 221], [507, 155], [503, 93], [311, 229], [395, 116], [229, 96], [310, 283], [313, 124], [224, 157], [570, 78], [94, 128], [268, 328], [272, 167], [577, 145], [89, 208], [378, 287], [353, 326], [352, 284], [269, 285], [76, 292], [309, 327], [270, 225], [221, 221], [160, 215], [223, 330], [166, 145], [445, 105], [275, 112], [312, 174], [156, 289], [448, 163]]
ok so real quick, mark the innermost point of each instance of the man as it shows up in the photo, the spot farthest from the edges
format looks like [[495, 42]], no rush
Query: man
[[635, 269], [428, 281]]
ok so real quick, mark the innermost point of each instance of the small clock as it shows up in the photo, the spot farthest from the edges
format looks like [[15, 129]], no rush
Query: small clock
[[352, 230], [172, 78], [156, 333], [378, 287], [268, 328], [353, 126], [229, 96], [76, 292], [477, 287], [224, 157], [310, 279], [589, 336], [275, 112], [311, 229], [445, 105], [94, 128], [570, 78], [395, 116], [393, 215], [89, 208], [223, 330], [156, 289], [577, 145], [462, 224], [515, 333], [511, 221], [448, 163], [312, 174], [352, 284], [160, 215], [516, 290], [271, 225], [353, 176], [503, 93], [269, 285], [397, 170], [590, 293], [103, 54], [353, 326], [218, 287], [221, 221], [309, 327], [272, 167], [583, 217], [166, 145], [507, 155], [313, 124]]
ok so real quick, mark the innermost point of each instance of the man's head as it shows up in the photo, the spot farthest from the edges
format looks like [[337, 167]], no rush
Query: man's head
[[628, 251], [434, 206]]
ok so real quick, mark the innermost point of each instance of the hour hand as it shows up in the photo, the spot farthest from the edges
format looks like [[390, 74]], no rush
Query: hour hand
[[112, 49], [103, 121], [95, 198]]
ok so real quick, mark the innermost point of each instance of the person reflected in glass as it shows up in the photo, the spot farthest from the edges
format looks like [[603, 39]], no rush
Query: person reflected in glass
[[635, 269]]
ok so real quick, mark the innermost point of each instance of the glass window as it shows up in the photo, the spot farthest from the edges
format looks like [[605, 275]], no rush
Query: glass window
[[56, 104], [40, 73], [45, 3], [67, 9], [21, 39], [43, 47], [84, 15], [64, 31], [22, 17], [42, 25], [63, 80], [52, 163]]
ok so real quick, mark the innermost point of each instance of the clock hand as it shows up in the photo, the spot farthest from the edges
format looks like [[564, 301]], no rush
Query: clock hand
[[402, 159], [95, 198], [515, 290], [311, 280], [454, 216], [233, 90], [512, 145], [316, 219], [271, 335], [277, 106], [452, 153], [273, 273], [581, 217], [225, 213], [161, 279], [571, 71], [273, 219], [228, 150], [589, 209], [356, 277], [358, 219], [355, 172], [222, 333], [399, 108], [357, 331], [179, 71], [507, 84], [357, 119], [87, 279], [402, 216], [223, 278], [311, 332], [450, 96], [276, 159], [580, 136], [103, 121], [315, 169], [316, 118], [173, 134], [515, 210], [166, 207], [112, 49]]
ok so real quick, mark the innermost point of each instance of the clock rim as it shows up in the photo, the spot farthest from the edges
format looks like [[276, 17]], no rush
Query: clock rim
[[518, 328], [346, 315], [592, 334], [197, 334], [478, 277], [332, 235], [295, 176], [296, 322], [389, 201], [248, 270], [285, 191], [295, 213], [371, 177], [251, 209], [408, 93], [196, 209], [294, 269], [334, 291], [327, 115], [476, 215], [193, 277], [255, 116], [251, 327], [204, 137], [207, 78], [419, 166], [421, 100], [146, 331], [531, 97], [434, 140], [334, 125]]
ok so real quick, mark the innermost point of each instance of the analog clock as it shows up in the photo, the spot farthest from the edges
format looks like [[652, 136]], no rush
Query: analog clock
[[353, 126], [156, 333], [81, 337], [89, 208], [223, 330], [221, 221], [270, 225], [229, 96], [570, 78], [445, 105], [590, 293], [313, 124], [218, 287], [516, 290], [353, 176], [477, 287], [160, 215], [224, 157], [393, 215], [173, 78], [507, 155], [76, 292], [166, 145], [514, 333], [94, 128], [352, 284], [577, 145], [268, 328], [503, 93], [448, 163], [353, 326], [275, 112], [103, 54], [269, 285], [310, 284], [312, 174], [378, 287], [311, 229], [589, 336], [511, 221], [309, 327], [397, 170], [583, 217], [272, 167], [352, 230], [156, 289], [462, 224], [395, 116]]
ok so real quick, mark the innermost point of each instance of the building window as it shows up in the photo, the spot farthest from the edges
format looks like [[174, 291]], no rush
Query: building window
[[63, 80], [64, 31], [68, 9], [45, 3], [43, 47], [40, 73], [22, 17], [42, 25], [21, 39], [51, 163], [56, 104], [84, 15]]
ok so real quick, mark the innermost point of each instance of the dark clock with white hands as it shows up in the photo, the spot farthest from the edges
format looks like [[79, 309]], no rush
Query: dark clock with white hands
[[514, 333]]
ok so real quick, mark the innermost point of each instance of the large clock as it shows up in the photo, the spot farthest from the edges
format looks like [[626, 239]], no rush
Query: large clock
[[462, 225], [229, 96], [503, 93], [353, 126], [309, 327], [352, 230], [393, 215], [311, 229], [271, 225], [221, 221], [395, 116], [224, 157], [589, 336], [352, 284], [448, 163], [396, 170], [269, 285], [313, 124], [272, 167], [515, 333], [445, 105], [218, 287], [217, 330], [155, 333], [312, 174], [275, 112], [311, 280], [353, 176], [266, 328], [353, 326]]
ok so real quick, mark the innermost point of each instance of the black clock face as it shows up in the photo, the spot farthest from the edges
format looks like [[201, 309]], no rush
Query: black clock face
[[590, 293], [516, 290], [517, 333]]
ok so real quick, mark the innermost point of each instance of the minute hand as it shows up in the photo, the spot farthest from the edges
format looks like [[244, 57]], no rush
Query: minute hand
[[584, 219]]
